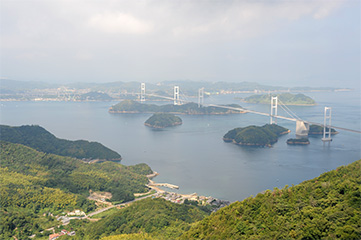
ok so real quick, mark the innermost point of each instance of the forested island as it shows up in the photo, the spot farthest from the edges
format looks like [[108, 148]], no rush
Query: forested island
[[298, 141], [266, 135], [40, 139], [129, 106], [163, 120], [285, 98], [318, 130]]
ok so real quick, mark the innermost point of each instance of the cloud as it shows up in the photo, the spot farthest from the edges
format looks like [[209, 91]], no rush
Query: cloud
[[120, 23]]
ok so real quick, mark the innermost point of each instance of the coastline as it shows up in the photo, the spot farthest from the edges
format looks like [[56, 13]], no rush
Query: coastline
[[181, 198]]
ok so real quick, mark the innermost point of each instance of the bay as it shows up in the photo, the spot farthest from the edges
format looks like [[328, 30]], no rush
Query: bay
[[193, 155]]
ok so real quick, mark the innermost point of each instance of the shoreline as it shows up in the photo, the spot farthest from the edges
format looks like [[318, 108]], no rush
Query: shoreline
[[181, 198]]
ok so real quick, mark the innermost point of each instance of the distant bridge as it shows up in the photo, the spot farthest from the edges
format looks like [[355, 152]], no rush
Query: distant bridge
[[302, 126]]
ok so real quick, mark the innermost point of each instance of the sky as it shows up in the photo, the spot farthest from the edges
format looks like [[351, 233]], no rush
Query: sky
[[287, 43]]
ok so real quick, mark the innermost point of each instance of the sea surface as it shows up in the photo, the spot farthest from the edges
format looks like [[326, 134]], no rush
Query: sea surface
[[193, 155]]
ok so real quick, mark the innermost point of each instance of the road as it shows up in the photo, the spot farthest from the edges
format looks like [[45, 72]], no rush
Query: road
[[117, 205]]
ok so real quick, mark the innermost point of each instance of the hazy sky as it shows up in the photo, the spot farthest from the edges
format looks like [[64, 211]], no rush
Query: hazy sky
[[290, 43]]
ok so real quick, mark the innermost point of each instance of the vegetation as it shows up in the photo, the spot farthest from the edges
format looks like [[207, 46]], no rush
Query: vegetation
[[149, 218], [38, 138], [298, 141], [285, 98], [318, 130], [34, 184], [162, 120], [129, 106], [255, 136], [327, 207]]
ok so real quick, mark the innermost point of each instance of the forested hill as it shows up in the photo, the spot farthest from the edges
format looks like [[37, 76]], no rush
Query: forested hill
[[40, 139], [327, 207], [33, 184]]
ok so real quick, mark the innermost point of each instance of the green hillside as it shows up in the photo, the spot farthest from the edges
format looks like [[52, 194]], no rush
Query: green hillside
[[129, 106], [285, 98], [40, 139], [157, 217], [255, 135], [327, 207], [162, 120], [34, 183]]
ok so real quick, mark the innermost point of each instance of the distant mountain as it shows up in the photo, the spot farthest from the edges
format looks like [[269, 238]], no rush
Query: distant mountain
[[42, 140], [14, 85], [285, 98]]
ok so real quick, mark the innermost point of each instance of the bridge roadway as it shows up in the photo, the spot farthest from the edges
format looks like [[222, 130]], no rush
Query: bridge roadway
[[264, 114]]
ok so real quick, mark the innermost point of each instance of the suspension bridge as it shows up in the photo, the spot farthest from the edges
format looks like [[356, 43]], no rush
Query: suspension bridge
[[302, 126]]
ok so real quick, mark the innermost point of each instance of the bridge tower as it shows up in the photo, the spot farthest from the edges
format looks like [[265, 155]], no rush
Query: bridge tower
[[200, 97], [327, 125], [176, 95], [142, 92], [273, 115]]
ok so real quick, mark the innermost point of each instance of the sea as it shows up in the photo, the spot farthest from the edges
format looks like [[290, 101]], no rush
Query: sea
[[193, 155]]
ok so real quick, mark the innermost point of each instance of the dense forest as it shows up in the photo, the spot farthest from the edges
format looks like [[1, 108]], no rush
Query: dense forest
[[34, 183], [326, 207], [162, 120], [255, 135], [129, 106], [40, 139], [156, 217], [285, 98]]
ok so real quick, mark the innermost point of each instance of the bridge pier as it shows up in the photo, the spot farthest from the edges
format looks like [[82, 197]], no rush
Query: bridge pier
[[176, 95], [200, 97], [273, 115], [302, 129], [142, 92], [327, 125]]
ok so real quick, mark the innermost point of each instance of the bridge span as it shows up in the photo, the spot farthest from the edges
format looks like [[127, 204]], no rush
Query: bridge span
[[302, 126]]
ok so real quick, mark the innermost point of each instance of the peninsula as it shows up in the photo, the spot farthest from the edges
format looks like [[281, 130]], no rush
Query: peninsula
[[163, 120], [266, 135], [285, 98], [130, 106]]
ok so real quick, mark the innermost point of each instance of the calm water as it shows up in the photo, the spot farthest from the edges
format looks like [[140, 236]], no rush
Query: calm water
[[194, 155]]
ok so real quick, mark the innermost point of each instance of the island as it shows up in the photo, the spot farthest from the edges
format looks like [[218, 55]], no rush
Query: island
[[130, 106], [298, 141], [266, 135], [318, 130], [163, 120], [285, 98]]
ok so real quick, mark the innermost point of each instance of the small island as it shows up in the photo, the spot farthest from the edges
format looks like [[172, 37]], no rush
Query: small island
[[130, 106], [163, 120], [298, 141], [318, 130], [285, 98], [266, 135]]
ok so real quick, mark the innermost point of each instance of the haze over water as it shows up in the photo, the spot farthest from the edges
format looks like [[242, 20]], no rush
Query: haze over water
[[193, 155]]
